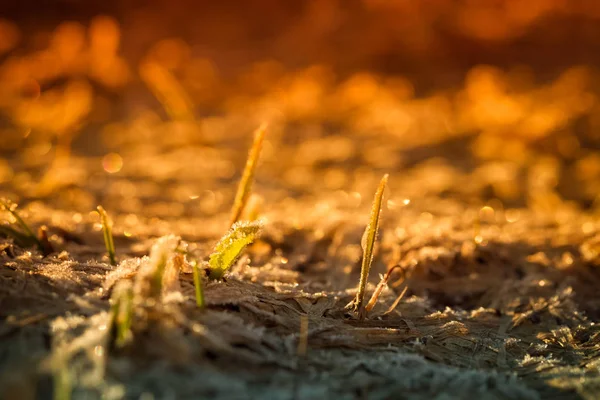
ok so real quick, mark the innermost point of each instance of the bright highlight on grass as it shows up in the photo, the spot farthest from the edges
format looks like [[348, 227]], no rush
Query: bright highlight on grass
[[245, 185], [368, 244], [231, 246], [108, 237]]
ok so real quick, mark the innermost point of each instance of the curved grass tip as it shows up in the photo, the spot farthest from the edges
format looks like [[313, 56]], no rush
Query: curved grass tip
[[231, 246], [368, 245], [245, 185]]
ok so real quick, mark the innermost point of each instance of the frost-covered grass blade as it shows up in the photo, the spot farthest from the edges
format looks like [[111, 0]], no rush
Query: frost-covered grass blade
[[108, 236], [149, 280], [231, 246], [121, 312], [245, 185], [368, 244]]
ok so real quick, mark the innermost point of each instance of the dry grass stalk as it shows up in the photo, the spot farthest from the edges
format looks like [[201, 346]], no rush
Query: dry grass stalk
[[245, 185], [108, 236], [303, 338], [198, 285], [380, 286], [368, 245]]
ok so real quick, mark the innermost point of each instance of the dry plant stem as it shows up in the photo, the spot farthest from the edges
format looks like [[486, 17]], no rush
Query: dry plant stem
[[301, 351], [397, 301], [198, 285], [379, 288], [43, 237], [368, 243], [245, 185], [303, 338], [108, 237]]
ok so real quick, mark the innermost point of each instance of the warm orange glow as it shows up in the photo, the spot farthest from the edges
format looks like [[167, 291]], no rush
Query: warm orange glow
[[112, 163]]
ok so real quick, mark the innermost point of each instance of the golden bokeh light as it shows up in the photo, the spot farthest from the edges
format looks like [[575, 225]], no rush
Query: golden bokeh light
[[112, 163]]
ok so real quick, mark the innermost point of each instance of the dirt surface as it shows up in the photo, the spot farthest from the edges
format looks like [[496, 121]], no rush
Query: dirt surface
[[501, 303], [490, 216]]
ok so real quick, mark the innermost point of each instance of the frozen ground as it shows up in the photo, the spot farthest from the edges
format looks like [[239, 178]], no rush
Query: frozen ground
[[491, 212]]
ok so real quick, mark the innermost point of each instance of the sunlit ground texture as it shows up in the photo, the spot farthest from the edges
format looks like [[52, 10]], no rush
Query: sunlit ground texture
[[485, 115]]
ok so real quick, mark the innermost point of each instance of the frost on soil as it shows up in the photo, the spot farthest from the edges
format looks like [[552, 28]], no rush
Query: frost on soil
[[491, 223]]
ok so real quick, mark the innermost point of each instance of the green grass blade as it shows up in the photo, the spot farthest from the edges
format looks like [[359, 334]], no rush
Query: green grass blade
[[108, 236], [12, 209], [63, 384], [231, 246], [122, 312], [150, 278], [20, 239], [245, 185], [159, 272], [368, 244], [198, 285]]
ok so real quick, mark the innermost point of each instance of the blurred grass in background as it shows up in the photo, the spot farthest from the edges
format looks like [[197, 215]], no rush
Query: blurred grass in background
[[485, 100]]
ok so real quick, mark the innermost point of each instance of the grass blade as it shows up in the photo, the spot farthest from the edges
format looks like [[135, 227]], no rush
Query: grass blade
[[121, 312], [151, 275], [11, 207], [245, 185], [368, 244], [63, 383], [19, 238], [198, 285], [108, 236], [231, 246], [168, 91]]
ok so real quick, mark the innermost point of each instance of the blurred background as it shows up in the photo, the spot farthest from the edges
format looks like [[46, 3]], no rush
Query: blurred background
[[149, 106]]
